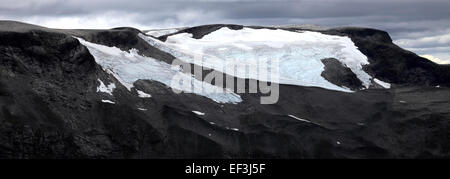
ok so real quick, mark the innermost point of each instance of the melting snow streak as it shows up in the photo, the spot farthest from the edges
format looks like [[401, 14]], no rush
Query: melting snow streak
[[199, 113], [107, 101], [382, 83]]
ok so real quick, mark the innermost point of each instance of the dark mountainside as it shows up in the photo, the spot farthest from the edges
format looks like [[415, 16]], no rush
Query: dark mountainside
[[49, 106]]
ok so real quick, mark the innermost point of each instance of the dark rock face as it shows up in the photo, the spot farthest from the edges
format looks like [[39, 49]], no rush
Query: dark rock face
[[50, 108], [366, 33], [41, 71], [338, 74], [200, 31], [36, 51], [390, 63]]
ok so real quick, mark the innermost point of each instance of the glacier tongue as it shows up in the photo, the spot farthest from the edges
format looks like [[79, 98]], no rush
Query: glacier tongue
[[299, 53], [129, 67]]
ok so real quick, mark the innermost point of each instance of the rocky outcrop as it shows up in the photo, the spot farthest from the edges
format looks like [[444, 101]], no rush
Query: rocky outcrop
[[124, 38], [391, 63], [200, 31], [338, 74]]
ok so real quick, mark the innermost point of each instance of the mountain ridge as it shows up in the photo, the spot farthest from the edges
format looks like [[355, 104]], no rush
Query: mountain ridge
[[50, 107]]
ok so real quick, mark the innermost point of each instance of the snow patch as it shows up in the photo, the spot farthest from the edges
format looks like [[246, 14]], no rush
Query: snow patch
[[382, 83], [128, 86], [106, 89], [304, 120], [128, 67], [199, 113], [299, 53], [142, 94], [107, 101]]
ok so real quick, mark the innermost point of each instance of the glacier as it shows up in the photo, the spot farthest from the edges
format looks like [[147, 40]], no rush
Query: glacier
[[128, 67], [298, 54]]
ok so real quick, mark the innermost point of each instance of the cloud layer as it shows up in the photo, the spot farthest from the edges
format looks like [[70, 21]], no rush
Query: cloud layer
[[420, 26]]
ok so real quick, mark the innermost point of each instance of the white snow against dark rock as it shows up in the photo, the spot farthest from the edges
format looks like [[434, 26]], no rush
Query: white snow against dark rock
[[107, 101], [299, 54], [382, 83], [142, 94], [128, 67], [105, 89], [304, 120], [198, 113]]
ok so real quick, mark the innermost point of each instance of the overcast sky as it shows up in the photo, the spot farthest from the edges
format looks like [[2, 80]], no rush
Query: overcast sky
[[422, 26]]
